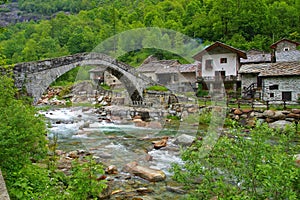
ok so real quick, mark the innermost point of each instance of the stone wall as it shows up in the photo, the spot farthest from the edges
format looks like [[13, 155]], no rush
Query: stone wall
[[285, 84], [248, 79], [274, 118]]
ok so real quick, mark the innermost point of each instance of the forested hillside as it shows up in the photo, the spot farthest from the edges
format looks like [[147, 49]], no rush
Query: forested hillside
[[82, 24]]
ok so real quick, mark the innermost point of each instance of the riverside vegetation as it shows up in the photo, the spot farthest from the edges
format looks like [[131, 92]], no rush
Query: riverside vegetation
[[26, 162]]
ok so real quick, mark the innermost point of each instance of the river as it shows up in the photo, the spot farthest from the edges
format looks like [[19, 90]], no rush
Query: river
[[78, 128]]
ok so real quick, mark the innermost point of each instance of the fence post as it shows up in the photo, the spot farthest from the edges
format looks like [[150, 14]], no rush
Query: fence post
[[268, 106], [284, 104], [227, 101], [252, 104], [239, 103]]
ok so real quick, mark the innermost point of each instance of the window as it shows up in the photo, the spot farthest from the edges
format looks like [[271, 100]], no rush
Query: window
[[208, 65], [286, 49], [273, 87], [287, 96], [176, 78], [271, 95], [223, 60]]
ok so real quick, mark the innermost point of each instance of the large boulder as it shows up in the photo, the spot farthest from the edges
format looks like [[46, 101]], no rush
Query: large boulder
[[153, 175], [281, 124], [184, 140]]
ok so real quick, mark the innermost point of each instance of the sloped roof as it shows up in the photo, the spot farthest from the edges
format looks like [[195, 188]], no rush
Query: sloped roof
[[256, 56], [240, 53], [188, 68], [253, 68], [155, 65], [282, 69], [167, 70], [274, 45]]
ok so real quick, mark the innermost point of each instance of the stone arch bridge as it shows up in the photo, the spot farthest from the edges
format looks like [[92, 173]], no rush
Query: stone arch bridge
[[36, 77]]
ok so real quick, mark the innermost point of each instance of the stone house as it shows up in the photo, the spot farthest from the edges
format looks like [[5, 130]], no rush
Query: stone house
[[255, 81], [220, 64], [281, 81], [171, 73], [152, 65], [285, 50]]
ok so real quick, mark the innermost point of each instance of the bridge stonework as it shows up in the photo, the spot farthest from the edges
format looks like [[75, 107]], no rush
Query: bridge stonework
[[36, 77]]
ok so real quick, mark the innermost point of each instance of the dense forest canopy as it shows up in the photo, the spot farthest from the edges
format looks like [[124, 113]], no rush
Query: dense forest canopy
[[78, 26]]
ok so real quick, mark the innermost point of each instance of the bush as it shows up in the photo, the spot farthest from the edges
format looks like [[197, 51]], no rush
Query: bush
[[260, 166]]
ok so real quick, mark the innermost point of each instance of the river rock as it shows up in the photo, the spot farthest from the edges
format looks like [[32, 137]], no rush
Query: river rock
[[112, 169], [296, 111], [73, 154], [258, 115], [161, 143], [147, 173], [140, 123], [269, 113], [279, 115], [246, 110], [144, 190], [237, 112], [281, 124], [293, 115], [177, 190], [154, 125], [59, 152], [184, 140]]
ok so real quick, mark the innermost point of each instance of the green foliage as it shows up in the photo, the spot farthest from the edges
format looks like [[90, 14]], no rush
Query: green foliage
[[157, 88], [243, 24], [104, 86], [260, 166], [172, 117], [22, 131], [85, 183], [23, 141], [201, 92]]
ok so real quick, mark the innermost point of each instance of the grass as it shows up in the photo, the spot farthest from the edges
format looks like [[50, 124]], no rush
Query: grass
[[157, 88]]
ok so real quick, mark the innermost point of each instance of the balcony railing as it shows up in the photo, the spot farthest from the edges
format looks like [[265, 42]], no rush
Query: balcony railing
[[218, 78]]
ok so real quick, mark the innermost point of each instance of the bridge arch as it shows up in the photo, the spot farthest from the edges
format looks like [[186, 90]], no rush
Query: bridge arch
[[36, 77]]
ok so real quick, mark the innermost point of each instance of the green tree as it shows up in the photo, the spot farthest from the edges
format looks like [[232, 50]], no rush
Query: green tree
[[22, 131]]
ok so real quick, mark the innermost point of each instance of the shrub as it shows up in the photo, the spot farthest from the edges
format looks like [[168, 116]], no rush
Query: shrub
[[260, 166]]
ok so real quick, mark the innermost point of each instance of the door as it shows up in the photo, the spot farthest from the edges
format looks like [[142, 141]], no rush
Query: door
[[259, 81], [286, 96], [220, 75]]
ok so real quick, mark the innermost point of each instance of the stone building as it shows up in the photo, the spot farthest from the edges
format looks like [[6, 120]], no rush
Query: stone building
[[281, 81], [260, 71], [220, 64], [171, 73]]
